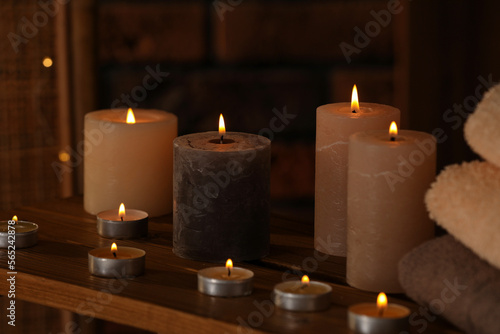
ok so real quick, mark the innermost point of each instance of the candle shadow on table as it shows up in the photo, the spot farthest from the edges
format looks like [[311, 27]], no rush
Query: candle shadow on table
[[66, 249]]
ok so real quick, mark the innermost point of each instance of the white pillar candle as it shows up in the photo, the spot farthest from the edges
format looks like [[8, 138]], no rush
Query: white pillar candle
[[334, 124], [130, 163], [387, 181]]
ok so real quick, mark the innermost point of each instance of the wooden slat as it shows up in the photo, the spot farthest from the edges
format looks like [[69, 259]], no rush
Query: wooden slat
[[165, 299]]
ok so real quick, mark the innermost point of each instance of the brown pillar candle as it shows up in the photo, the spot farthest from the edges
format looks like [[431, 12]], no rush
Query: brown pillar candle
[[221, 196]]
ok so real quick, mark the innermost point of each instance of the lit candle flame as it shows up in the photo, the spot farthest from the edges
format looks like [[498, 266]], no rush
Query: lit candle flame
[[393, 131], [114, 249], [14, 219], [121, 211], [354, 100], [381, 303], [229, 266], [305, 280], [222, 128], [130, 116]]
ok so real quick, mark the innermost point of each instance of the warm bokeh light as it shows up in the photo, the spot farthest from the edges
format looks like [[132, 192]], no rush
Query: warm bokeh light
[[305, 279], [64, 156], [47, 62], [14, 218], [393, 129], [130, 116], [229, 264], [222, 126], [114, 248], [121, 211], [381, 303], [354, 100]]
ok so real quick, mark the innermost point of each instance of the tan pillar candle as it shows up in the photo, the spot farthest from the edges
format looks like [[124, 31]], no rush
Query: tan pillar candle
[[387, 181], [334, 124], [129, 163]]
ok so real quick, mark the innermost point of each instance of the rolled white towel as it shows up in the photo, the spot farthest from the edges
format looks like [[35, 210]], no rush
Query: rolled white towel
[[465, 200], [482, 128]]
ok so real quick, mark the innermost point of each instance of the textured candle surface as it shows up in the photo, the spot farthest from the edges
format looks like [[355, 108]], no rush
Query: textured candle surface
[[334, 124], [130, 163], [221, 196], [387, 182]]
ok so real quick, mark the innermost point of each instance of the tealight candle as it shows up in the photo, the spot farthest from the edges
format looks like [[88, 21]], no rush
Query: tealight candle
[[379, 318], [302, 295], [25, 235], [122, 224], [225, 281], [117, 262]]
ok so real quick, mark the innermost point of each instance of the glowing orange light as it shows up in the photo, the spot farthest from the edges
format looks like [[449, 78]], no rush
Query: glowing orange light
[[381, 303], [121, 211], [393, 129], [305, 279], [47, 62], [14, 218], [229, 264], [114, 248], [130, 116], [354, 100], [222, 126]]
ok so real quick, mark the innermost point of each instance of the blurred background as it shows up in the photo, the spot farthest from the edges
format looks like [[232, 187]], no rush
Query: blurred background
[[250, 60]]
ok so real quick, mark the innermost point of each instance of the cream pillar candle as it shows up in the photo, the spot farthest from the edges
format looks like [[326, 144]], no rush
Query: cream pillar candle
[[334, 124], [387, 181], [130, 163]]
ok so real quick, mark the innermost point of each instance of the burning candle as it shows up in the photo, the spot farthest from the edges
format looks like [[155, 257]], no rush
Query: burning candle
[[303, 295], [225, 281], [379, 318], [389, 174], [117, 262], [122, 224], [15, 234], [128, 158], [334, 124], [221, 196]]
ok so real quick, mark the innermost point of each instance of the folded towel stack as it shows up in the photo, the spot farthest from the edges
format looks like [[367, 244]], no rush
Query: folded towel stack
[[451, 281], [465, 200]]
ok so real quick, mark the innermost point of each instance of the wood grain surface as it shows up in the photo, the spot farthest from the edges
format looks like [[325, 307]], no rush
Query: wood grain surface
[[165, 299]]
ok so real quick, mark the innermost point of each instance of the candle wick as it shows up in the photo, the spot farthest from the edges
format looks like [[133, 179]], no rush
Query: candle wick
[[114, 254], [353, 111], [222, 139], [228, 272], [393, 138], [381, 311], [121, 218]]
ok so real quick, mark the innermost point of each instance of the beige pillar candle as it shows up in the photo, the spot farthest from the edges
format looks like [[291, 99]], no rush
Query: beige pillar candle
[[334, 124], [129, 163], [387, 181]]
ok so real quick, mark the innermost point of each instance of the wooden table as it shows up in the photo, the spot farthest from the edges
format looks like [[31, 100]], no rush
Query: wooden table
[[55, 273]]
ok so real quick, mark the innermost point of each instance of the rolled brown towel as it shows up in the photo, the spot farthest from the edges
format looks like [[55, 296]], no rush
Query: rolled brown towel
[[448, 279]]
